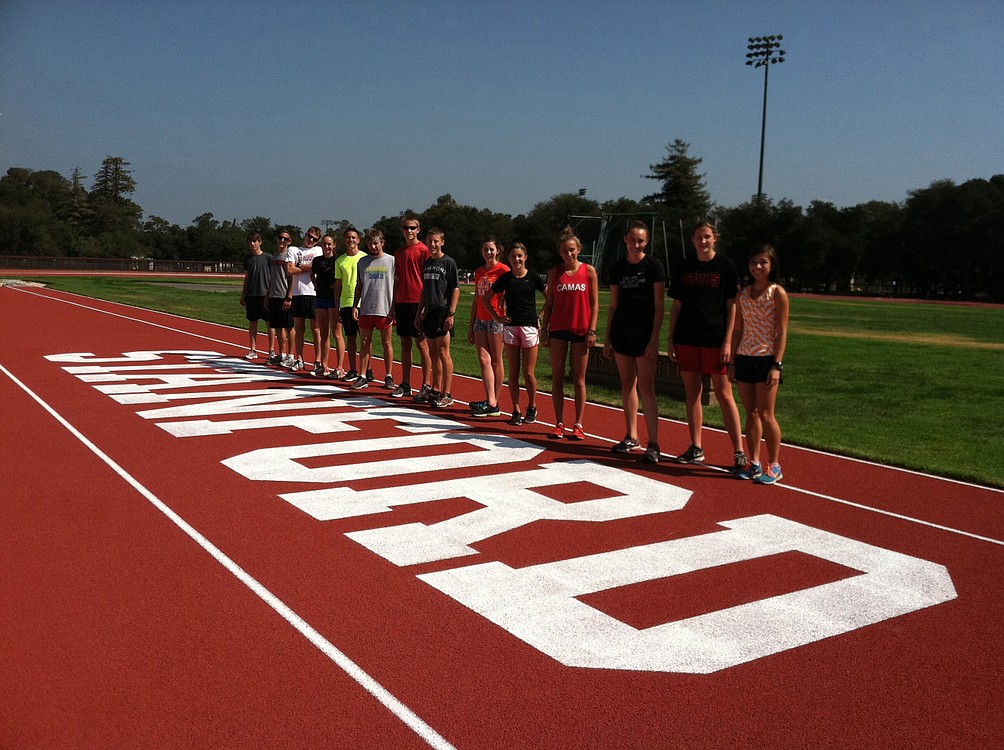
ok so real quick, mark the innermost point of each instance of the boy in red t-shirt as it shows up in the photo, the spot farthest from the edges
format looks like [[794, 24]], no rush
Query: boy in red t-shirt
[[408, 263]]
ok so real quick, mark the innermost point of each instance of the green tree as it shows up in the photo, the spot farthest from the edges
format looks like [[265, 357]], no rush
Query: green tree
[[114, 180], [76, 210], [751, 224], [30, 203], [540, 228], [114, 213], [683, 195], [466, 227], [882, 240]]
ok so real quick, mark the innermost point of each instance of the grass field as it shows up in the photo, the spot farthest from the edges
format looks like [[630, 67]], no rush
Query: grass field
[[912, 384]]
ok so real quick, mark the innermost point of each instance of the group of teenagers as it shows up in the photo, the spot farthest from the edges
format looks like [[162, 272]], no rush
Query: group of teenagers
[[718, 329]]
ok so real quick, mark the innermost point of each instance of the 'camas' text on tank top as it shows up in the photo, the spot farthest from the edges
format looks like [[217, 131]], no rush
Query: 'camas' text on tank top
[[571, 311]]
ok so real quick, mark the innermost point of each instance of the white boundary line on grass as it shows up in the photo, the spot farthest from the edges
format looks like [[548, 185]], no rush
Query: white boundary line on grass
[[341, 660]]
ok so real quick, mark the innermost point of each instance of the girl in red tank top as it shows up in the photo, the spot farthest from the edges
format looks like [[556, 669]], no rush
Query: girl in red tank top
[[571, 308]]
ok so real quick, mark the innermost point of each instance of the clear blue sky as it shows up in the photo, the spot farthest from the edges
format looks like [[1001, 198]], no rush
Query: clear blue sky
[[309, 111]]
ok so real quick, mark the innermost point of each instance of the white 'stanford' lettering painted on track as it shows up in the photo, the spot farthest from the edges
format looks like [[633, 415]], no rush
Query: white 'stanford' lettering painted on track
[[538, 604]]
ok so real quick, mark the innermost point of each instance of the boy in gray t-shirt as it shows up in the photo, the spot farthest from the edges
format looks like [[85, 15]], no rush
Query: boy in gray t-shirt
[[374, 308]]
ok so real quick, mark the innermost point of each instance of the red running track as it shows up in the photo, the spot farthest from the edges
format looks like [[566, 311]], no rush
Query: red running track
[[200, 552]]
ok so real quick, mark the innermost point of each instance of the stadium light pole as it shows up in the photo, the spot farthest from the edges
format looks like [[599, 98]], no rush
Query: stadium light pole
[[761, 54]]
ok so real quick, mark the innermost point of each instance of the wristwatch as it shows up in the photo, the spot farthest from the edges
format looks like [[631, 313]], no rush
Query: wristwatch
[[779, 366]]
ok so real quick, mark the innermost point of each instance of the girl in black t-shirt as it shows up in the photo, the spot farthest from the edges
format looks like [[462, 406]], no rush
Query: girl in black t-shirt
[[701, 322], [637, 307], [521, 328]]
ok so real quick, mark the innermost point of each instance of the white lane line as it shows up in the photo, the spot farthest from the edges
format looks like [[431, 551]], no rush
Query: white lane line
[[353, 670], [134, 320]]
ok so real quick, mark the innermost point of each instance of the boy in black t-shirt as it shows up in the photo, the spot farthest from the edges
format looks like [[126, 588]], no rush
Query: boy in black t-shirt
[[440, 296], [257, 266]]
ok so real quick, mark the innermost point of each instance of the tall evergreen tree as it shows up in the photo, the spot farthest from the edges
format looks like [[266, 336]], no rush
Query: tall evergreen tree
[[683, 195], [113, 210], [114, 179]]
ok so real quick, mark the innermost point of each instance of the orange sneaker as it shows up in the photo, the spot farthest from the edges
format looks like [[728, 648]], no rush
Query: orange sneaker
[[558, 432], [577, 433]]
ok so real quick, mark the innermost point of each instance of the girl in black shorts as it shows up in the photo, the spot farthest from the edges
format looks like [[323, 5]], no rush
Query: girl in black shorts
[[637, 306], [759, 339]]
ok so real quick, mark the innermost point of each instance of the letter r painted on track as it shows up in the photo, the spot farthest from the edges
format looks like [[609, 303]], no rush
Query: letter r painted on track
[[510, 501]]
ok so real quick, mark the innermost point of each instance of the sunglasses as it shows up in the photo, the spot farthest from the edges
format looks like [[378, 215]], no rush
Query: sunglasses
[[410, 229], [285, 239], [313, 238]]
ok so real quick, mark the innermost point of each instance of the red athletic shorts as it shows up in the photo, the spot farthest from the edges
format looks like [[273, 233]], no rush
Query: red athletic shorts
[[706, 360], [380, 322]]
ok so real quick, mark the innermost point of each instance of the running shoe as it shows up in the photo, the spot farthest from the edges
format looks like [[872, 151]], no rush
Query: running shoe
[[475, 405], [401, 391], [424, 394], [516, 419], [287, 362], [369, 376], [739, 462], [318, 371], [531, 415], [275, 359], [442, 401], [487, 410], [351, 377], [251, 356], [771, 475], [577, 433], [651, 455], [626, 445], [297, 365], [750, 471], [360, 383], [558, 432], [335, 374], [388, 383], [693, 455]]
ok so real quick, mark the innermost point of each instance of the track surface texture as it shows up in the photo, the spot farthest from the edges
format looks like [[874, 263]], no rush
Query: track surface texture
[[197, 551]]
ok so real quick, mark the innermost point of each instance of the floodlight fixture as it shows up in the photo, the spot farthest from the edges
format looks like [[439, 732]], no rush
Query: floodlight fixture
[[764, 51]]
